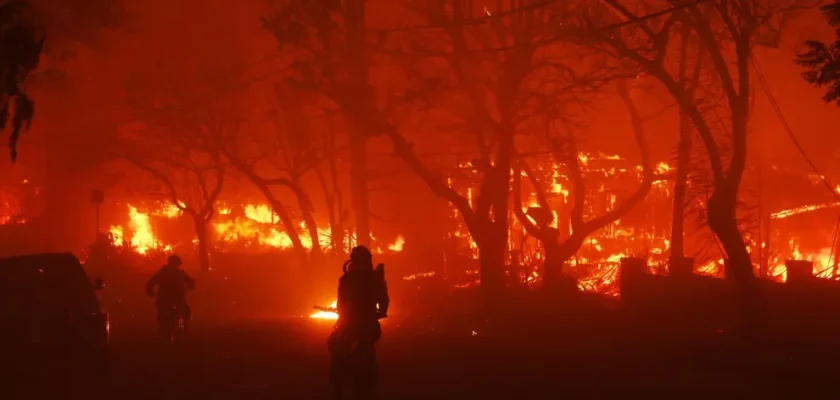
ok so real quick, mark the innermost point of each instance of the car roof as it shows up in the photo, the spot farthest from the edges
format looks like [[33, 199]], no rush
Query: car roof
[[49, 258], [64, 265], [63, 274]]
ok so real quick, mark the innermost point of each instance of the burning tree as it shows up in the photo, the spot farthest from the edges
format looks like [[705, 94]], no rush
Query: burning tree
[[328, 178], [176, 142], [292, 152], [726, 32], [508, 82], [539, 221], [187, 178], [327, 40]]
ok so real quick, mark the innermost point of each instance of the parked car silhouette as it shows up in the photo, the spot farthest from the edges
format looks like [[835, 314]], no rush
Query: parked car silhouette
[[51, 322]]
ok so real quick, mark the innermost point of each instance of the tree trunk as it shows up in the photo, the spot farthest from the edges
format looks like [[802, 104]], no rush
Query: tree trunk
[[288, 224], [291, 230], [491, 258], [204, 244], [306, 213], [493, 254], [722, 206], [724, 202], [556, 256], [723, 223], [279, 209], [336, 231], [359, 102], [680, 189], [312, 227], [337, 228], [359, 185]]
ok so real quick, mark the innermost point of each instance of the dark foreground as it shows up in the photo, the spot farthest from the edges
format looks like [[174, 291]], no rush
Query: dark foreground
[[284, 358]]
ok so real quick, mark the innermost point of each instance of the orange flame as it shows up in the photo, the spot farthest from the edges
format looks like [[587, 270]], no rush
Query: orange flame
[[325, 314], [256, 228]]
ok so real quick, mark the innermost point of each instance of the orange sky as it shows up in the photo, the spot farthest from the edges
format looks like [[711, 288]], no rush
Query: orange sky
[[188, 33]]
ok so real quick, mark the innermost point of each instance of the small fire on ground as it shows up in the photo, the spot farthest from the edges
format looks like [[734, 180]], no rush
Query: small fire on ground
[[325, 314]]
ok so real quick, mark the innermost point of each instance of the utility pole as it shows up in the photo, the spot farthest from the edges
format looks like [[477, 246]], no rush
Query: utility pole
[[98, 197]]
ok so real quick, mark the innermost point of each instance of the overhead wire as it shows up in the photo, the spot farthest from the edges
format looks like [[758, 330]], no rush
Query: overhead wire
[[760, 75], [552, 38], [788, 130], [488, 17]]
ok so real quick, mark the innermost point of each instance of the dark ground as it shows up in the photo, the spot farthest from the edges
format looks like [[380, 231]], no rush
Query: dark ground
[[285, 358]]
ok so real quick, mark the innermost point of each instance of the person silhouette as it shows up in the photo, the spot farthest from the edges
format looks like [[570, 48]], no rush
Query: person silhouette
[[362, 301], [172, 284]]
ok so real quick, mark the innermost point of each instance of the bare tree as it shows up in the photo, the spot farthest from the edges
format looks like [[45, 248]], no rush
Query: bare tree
[[246, 164], [300, 152], [328, 41], [503, 74], [189, 179], [565, 152], [177, 141], [329, 179], [283, 160], [727, 30]]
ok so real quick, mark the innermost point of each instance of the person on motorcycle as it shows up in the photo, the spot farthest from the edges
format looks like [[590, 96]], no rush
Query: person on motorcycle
[[172, 284], [362, 302]]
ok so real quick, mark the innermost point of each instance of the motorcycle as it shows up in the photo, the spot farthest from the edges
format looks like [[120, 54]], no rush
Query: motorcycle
[[173, 323], [353, 369]]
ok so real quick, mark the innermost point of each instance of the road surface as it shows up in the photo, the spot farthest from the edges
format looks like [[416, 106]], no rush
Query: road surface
[[284, 358]]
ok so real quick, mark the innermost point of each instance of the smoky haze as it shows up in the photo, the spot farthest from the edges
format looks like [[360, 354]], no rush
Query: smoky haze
[[513, 169], [83, 94]]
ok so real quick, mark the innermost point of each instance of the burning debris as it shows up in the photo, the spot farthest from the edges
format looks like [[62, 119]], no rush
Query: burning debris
[[644, 233], [326, 313], [253, 227], [802, 210]]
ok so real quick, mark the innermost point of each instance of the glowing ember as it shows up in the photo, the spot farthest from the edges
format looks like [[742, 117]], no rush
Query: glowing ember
[[397, 246], [420, 275], [802, 210], [325, 314], [663, 168], [117, 233]]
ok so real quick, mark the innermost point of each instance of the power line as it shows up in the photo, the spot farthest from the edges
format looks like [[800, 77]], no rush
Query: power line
[[214, 76], [787, 127], [575, 32], [789, 131], [489, 16], [549, 40]]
